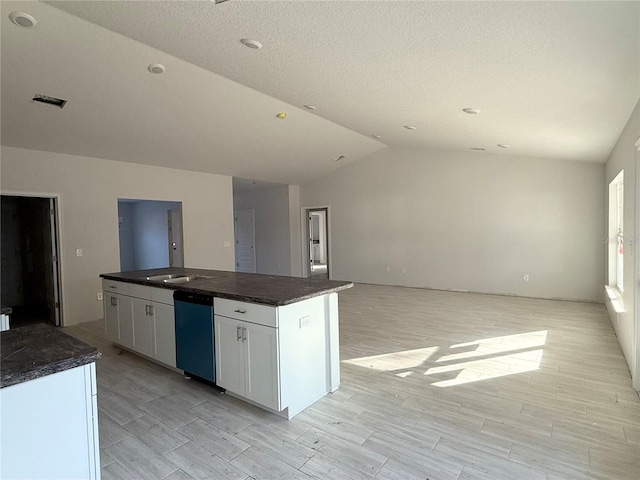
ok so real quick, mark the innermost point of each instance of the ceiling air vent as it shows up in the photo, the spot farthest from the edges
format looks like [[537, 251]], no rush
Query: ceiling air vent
[[56, 102]]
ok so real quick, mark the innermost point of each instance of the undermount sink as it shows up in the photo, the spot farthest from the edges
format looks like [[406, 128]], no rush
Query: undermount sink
[[176, 278], [162, 278], [185, 279]]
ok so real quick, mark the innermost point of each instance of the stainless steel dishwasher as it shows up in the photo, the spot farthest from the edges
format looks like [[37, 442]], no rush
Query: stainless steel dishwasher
[[194, 335]]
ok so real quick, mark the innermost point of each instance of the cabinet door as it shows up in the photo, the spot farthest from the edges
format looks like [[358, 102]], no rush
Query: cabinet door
[[229, 354], [142, 326], [165, 334], [125, 321], [261, 365], [111, 317]]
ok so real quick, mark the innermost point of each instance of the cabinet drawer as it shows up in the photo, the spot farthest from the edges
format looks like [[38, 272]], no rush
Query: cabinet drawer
[[248, 312], [162, 295], [115, 287], [140, 291]]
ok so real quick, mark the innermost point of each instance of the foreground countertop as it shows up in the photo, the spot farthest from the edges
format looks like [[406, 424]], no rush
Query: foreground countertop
[[273, 290], [39, 350]]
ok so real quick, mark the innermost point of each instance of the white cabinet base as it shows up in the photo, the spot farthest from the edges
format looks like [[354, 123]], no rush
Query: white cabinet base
[[52, 432], [294, 359], [141, 319]]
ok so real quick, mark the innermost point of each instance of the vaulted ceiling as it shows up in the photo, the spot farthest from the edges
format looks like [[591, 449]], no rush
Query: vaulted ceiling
[[551, 80]]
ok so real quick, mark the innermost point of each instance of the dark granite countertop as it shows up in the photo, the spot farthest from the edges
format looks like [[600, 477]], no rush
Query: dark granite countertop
[[35, 351], [248, 287]]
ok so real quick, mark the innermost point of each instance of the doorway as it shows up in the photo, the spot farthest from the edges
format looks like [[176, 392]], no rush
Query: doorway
[[30, 260], [150, 234], [244, 230], [317, 241]]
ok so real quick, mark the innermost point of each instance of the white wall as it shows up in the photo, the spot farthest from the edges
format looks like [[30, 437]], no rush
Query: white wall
[[295, 233], [467, 221], [88, 189], [271, 217], [622, 157]]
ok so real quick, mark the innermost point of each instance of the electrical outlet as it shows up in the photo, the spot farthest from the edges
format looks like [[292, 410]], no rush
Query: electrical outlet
[[404, 270], [99, 296], [387, 268], [525, 277], [78, 252]]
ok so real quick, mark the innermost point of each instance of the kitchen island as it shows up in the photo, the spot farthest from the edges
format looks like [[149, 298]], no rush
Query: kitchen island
[[49, 427], [275, 338]]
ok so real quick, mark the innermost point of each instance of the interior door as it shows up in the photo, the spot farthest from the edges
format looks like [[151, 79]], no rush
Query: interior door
[[245, 241], [312, 232], [317, 232], [174, 222]]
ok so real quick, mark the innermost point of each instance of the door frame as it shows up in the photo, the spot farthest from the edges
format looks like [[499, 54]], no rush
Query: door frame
[[635, 380], [57, 241], [305, 236]]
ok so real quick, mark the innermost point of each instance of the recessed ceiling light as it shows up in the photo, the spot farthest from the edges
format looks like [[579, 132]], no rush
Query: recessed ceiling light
[[22, 19], [341, 157], [377, 136], [477, 149], [156, 68], [503, 145], [409, 127], [471, 111], [251, 43], [310, 107]]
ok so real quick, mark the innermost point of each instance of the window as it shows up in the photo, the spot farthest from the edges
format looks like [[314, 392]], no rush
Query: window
[[616, 232]]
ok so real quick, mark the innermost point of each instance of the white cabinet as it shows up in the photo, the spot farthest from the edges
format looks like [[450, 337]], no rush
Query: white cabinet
[[229, 351], [111, 326], [142, 326], [164, 333], [283, 358], [261, 375], [247, 360], [141, 318], [49, 427], [118, 316]]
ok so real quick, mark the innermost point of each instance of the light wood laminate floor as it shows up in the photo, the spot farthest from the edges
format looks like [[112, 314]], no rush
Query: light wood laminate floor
[[435, 385]]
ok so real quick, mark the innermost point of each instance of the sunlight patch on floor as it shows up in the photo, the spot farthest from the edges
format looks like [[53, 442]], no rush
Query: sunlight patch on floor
[[487, 368], [407, 359], [474, 361], [496, 345]]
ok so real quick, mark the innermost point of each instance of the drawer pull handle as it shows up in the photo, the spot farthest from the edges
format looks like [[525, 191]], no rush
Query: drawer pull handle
[[244, 334], [239, 310], [114, 302], [239, 333]]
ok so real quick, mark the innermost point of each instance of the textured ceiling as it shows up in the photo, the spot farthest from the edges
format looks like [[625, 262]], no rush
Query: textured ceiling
[[552, 79]]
